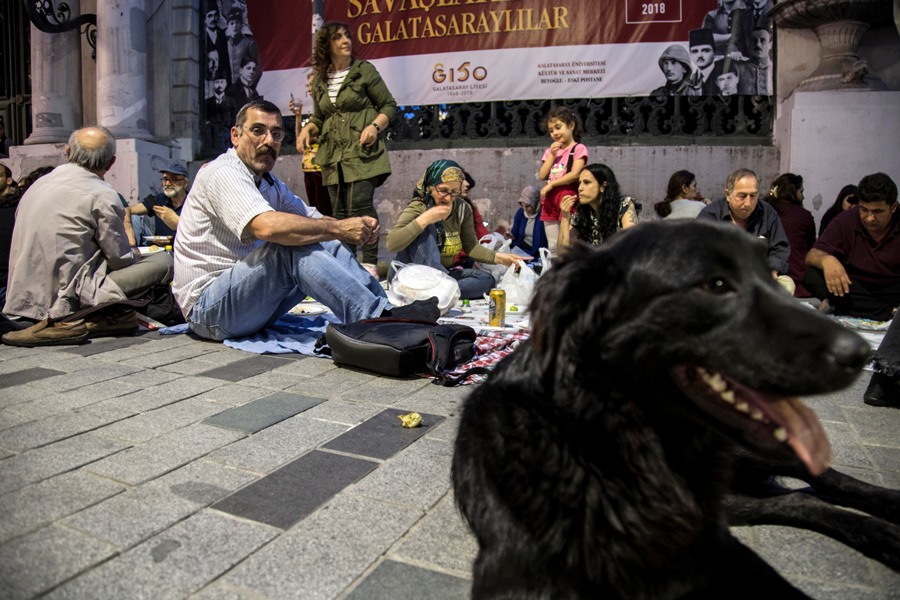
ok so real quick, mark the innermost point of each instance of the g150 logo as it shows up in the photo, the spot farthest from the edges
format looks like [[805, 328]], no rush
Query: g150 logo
[[443, 74]]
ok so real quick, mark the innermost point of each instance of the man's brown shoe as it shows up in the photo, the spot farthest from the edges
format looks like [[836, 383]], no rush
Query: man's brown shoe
[[45, 333], [112, 324]]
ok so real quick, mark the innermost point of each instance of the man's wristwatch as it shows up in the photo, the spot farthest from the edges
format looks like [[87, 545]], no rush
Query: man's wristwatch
[[375, 125]]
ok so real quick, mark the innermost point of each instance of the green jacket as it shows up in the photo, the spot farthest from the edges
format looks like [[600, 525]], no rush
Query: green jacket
[[362, 96], [459, 227]]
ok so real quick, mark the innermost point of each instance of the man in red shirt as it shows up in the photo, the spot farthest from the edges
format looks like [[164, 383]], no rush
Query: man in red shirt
[[855, 263]]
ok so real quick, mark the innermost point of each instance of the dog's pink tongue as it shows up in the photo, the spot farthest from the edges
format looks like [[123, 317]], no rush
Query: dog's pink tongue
[[805, 433]]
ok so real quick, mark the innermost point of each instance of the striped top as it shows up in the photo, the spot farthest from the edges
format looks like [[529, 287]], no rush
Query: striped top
[[212, 230], [335, 81]]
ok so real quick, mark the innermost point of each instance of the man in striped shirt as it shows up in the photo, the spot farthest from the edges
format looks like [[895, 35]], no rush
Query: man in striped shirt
[[248, 249]]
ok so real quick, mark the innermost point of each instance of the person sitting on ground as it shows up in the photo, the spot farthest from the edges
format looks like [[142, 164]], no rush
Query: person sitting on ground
[[165, 207], [248, 250], [463, 260], [70, 250], [845, 199], [786, 196], [856, 261], [437, 224], [683, 200], [741, 207], [601, 210], [884, 385], [527, 229], [8, 203]]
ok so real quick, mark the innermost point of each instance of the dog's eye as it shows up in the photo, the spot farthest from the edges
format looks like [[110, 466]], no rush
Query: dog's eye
[[717, 285]]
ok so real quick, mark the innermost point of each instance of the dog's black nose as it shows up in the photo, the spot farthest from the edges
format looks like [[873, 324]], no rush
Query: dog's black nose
[[850, 351]]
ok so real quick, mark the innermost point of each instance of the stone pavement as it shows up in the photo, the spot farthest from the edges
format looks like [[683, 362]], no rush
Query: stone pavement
[[169, 467]]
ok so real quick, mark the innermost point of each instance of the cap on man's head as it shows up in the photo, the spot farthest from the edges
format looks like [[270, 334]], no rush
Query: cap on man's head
[[176, 167], [702, 37], [677, 53]]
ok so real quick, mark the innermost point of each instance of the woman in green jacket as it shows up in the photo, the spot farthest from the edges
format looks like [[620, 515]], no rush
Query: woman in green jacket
[[352, 106], [437, 224]]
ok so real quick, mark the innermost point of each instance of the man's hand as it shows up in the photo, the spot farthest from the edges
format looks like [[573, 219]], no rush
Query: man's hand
[[358, 230], [167, 215], [836, 279], [508, 259]]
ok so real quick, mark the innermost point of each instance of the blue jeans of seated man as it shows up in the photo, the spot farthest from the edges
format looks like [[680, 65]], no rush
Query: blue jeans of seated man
[[423, 250], [272, 279]]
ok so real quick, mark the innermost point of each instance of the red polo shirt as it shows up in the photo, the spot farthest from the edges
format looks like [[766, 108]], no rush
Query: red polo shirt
[[847, 240]]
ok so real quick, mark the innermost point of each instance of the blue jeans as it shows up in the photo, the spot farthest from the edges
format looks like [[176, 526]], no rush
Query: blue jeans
[[272, 279], [423, 250]]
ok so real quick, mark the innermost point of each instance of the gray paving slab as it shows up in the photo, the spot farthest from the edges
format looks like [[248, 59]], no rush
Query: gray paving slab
[[345, 413], [34, 506], [59, 427], [441, 539], [173, 564], [233, 394], [158, 395], [48, 360], [199, 483], [151, 424], [20, 394], [105, 345], [326, 552], [331, 382], [263, 412], [45, 462], [163, 453], [27, 376], [399, 581], [64, 554], [170, 355], [247, 367], [278, 379], [87, 376], [294, 491], [382, 435], [418, 476]]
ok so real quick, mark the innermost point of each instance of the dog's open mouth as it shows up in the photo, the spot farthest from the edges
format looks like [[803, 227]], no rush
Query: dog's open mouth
[[765, 420]]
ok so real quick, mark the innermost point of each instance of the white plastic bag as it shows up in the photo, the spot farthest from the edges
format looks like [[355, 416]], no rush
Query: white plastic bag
[[518, 283], [544, 253], [419, 282], [497, 243]]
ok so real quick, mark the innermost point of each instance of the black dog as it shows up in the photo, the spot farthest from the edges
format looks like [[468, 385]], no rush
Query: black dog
[[594, 463]]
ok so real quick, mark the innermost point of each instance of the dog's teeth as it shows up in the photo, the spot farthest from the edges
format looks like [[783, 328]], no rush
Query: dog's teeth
[[780, 434], [742, 407], [715, 381], [727, 396], [756, 414]]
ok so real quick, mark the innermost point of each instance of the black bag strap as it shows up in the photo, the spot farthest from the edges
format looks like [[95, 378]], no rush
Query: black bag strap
[[571, 160]]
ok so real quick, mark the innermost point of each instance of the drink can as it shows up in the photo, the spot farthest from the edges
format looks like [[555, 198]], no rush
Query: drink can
[[497, 308]]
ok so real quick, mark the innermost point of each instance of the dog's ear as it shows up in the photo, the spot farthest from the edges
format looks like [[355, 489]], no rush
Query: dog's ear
[[571, 305]]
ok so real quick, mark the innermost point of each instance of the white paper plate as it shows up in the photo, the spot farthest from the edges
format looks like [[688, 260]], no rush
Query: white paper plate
[[308, 309]]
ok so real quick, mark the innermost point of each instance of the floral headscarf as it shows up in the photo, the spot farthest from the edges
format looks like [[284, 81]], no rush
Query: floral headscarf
[[440, 171]]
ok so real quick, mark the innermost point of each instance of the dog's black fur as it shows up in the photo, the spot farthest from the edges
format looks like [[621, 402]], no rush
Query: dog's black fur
[[595, 461]]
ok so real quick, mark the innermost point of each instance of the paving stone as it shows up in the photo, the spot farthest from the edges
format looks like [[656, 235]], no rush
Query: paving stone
[[27, 376], [169, 392], [190, 366], [222, 591], [37, 505], [331, 382], [20, 394], [166, 357], [277, 445], [55, 361], [163, 454], [845, 450], [64, 553], [345, 413], [106, 345], [199, 483], [418, 476], [323, 554], [60, 427], [382, 436], [442, 539], [398, 581], [876, 426], [294, 491], [277, 380], [77, 379], [233, 394], [149, 425], [56, 404], [385, 391], [66, 455], [248, 367], [264, 412]]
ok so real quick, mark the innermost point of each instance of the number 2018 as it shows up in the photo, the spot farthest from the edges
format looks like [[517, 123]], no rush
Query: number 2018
[[653, 9]]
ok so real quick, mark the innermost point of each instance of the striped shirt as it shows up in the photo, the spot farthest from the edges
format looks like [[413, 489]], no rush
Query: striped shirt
[[212, 230], [335, 81]]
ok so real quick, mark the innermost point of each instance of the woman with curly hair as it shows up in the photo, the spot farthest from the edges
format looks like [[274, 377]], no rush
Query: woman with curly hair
[[352, 106], [601, 210], [786, 197]]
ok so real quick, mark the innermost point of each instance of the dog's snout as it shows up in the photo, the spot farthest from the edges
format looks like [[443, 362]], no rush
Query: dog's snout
[[850, 351]]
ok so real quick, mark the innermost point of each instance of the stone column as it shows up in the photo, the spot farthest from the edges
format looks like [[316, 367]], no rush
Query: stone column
[[122, 68], [55, 83]]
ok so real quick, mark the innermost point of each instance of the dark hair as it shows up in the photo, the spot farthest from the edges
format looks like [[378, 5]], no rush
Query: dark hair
[[29, 179], [738, 174], [469, 179], [7, 174], [610, 201], [784, 191], [848, 192], [321, 57], [561, 113], [877, 187], [677, 183], [260, 105]]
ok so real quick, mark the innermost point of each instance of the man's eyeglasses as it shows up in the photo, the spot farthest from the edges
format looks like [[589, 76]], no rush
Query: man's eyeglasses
[[170, 179], [260, 131], [445, 192]]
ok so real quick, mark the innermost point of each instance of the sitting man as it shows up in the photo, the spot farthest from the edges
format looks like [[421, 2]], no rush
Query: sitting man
[[70, 250], [742, 207], [856, 261], [248, 249], [165, 207]]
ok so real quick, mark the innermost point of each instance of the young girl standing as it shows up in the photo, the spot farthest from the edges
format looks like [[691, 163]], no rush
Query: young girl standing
[[562, 163]]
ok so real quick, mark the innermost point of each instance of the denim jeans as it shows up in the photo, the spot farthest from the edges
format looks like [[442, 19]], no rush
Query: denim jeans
[[258, 290], [423, 250]]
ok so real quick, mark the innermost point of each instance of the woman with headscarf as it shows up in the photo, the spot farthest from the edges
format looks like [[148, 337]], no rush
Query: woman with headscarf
[[527, 230], [437, 224]]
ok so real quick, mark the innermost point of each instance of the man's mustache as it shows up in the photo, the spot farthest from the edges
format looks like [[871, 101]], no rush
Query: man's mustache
[[267, 150]]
